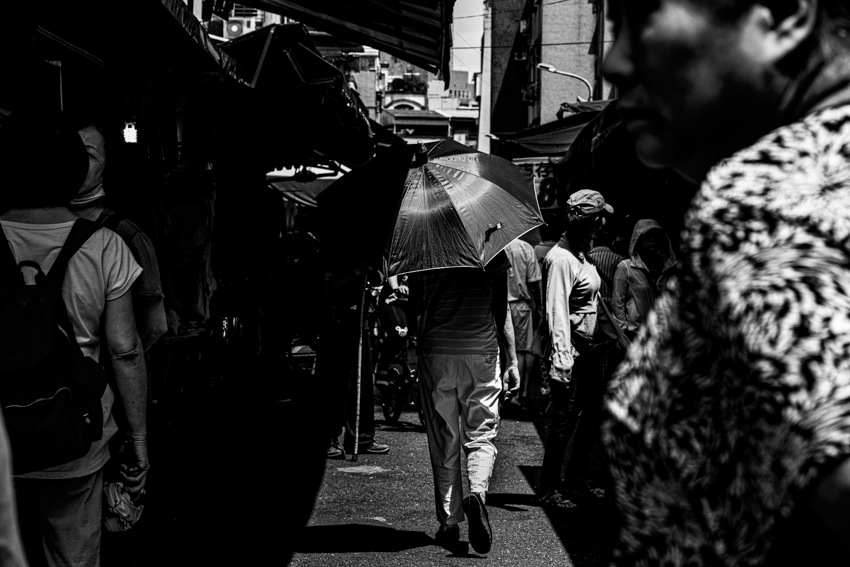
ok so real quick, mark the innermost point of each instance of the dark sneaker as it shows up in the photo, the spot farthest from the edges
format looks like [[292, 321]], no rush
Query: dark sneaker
[[377, 449], [335, 451], [448, 536], [480, 532]]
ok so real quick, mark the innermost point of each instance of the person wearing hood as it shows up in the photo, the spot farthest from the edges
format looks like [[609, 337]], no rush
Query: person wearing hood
[[642, 276]]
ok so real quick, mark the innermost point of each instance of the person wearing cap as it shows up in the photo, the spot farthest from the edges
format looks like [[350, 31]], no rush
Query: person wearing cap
[[572, 286]]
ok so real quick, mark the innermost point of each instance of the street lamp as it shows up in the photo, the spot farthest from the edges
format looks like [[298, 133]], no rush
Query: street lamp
[[552, 69]]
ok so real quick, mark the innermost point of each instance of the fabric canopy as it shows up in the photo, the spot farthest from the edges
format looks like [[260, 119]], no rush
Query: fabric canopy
[[120, 33], [550, 139], [417, 31], [300, 192], [286, 70]]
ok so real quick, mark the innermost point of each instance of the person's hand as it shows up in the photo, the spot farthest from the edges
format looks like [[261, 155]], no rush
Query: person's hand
[[402, 289], [134, 469], [510, 381]]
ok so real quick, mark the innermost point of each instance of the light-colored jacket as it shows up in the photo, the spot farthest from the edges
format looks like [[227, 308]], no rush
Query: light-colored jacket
[[572, 284], [635, 291]]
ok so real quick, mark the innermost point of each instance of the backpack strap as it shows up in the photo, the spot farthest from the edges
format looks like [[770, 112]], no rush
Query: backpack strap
[[10, 273], [621, 336], [110, 219], [80, 233]]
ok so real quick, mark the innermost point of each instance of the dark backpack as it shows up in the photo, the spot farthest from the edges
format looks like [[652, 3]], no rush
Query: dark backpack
[[49, 390]]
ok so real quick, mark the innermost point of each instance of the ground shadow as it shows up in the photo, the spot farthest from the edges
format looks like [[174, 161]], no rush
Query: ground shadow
[[401, 425], [588, 531], [512, 502], [352, 538]]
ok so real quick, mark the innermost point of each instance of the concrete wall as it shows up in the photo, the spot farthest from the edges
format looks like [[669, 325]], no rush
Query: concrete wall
[[566, 39], [509, 113]]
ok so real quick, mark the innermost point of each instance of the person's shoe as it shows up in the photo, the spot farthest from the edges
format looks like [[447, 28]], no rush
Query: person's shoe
[[377, 449], [335, 451], [448, 536], [480, 532]]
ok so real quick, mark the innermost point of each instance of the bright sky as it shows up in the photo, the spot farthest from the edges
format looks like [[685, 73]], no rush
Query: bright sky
[[468, 27]]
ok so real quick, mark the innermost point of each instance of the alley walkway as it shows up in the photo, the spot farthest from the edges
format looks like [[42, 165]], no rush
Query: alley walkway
[[378, 511]]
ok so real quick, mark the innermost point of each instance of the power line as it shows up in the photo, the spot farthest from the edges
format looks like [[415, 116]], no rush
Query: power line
[[504, 11], [542, 44]]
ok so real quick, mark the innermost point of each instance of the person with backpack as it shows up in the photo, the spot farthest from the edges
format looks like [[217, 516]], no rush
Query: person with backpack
[[572, 291], [60, 499], [91, 203]]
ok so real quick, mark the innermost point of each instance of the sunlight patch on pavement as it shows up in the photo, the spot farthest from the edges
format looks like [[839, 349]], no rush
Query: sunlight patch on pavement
[[364, 469]]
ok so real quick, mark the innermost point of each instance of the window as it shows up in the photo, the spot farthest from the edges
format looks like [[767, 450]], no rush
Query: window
[[240, 11]]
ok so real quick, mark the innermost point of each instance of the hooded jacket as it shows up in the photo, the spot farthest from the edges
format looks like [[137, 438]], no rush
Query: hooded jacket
[[635, 291]]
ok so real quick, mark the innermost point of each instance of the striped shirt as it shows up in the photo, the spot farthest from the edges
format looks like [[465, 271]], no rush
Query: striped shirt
[[606, 262], [457, 315]]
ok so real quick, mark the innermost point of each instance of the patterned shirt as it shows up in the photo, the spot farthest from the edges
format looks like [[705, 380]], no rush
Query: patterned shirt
[[736, 395]]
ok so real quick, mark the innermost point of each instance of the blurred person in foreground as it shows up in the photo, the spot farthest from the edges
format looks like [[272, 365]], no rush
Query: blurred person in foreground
[[728, 428], [11, 548], [60, 508]]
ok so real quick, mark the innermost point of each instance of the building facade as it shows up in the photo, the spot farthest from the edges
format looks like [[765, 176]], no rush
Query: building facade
[[568, 35]]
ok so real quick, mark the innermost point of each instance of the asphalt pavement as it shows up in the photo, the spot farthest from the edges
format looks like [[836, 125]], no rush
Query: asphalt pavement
[[235, 469], [378, 510]]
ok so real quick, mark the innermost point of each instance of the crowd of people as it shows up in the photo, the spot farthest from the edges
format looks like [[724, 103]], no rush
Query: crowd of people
[[713, 375]]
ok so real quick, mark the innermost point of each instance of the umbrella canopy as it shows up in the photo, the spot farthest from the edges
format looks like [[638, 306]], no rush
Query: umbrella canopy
[[459, 209], [443, 206]]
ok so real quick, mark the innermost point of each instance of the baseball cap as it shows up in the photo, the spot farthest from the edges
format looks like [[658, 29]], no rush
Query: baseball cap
[[588, 202]]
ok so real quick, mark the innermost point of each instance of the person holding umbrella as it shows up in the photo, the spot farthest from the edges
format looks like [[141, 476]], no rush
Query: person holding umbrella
[[457, 209], [463, 319]]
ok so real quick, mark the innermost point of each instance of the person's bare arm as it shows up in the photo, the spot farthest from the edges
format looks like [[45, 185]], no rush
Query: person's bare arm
[[150, 315], [126, 355], [505, 326]]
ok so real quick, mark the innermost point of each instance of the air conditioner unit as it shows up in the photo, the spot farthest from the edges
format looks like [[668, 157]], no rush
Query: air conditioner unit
[[236, 27]]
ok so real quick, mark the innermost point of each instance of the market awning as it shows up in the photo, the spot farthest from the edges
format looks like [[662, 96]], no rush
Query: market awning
[[316, 106], [550, 139], [416, 124], [300, 192], [153, 34], [417, 31]]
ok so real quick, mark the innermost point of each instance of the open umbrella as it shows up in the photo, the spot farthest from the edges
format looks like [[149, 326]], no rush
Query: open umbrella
[[459, 209], [429, 206]]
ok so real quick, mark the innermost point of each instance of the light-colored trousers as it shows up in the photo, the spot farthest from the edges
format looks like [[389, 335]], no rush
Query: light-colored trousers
[[460, 398]]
